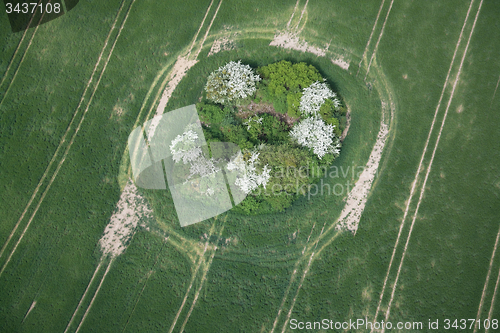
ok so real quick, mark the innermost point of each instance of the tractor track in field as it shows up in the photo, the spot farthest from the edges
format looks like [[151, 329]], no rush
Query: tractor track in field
[[414, 183], [293, 13], [378, 40], [312, 254], [495, 92], [363, 57], [434, 151], [19, 46], [95, 295], [24, 54], [83, 296], [203, 278], [44, 176], [306, 270], [292, 279], [492, 305], [485, 287], [151, 271], [193, 278]]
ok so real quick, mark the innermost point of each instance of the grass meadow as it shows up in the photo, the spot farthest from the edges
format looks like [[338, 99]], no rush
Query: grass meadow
[[73, 89]]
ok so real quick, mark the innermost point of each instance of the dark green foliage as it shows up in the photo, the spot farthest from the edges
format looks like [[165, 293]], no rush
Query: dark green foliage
[[284, 82], [270, 130], [211, 114], [283, 77]]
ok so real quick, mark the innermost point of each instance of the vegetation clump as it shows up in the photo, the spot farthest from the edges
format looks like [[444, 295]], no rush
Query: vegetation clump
[[285, 119]]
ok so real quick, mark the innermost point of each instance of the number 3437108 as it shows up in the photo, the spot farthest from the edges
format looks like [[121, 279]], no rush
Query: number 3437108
[[26, 8]]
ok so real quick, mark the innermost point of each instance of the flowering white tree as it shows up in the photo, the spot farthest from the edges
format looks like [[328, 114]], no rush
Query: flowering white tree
[[314, 96], [315, 134], [248, 179], [230, 82], [187, 148]]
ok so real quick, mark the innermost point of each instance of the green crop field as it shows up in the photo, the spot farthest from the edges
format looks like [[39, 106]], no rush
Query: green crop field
[[420, 80]]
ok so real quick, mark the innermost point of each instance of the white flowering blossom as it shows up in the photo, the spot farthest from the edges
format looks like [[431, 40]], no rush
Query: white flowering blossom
[[315, 134], [187, 148], [248, 179], [230, 82], [255, 119], [314, 96]]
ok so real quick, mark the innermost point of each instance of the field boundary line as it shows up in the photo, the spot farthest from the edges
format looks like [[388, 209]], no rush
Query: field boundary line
[[83, 296], [199, 29], [292, 278], [203, 278], [19, 45], [370, 38], [432, 159], [69, 144], [200, 260], [378, 40], [412, 191], [24, 55], [63, 139], [95, 295], [487, 281], [490, 313]]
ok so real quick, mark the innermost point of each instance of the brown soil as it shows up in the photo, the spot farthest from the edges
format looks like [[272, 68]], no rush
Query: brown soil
[[251, 109]]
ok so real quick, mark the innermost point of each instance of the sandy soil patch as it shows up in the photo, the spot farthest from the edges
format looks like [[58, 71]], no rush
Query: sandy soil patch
[[289, 40], [341, 62], [130, 209], [356, 199]]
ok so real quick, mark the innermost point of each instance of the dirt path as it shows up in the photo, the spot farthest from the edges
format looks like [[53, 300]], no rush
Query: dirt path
[[432, 160]]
